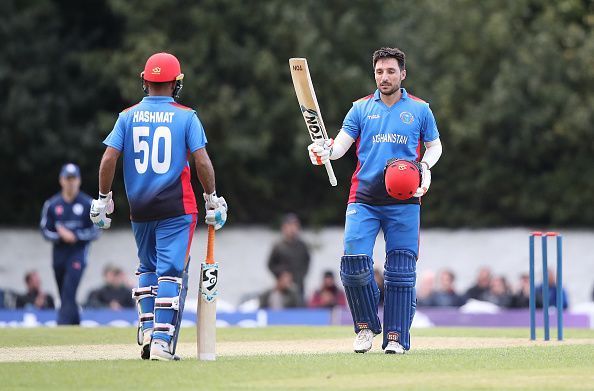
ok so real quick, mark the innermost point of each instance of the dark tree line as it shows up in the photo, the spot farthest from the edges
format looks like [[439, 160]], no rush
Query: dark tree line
[[511, 84]]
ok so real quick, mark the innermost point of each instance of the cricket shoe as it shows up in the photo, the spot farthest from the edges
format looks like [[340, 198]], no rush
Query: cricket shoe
[[394, 348], [363, 341], [145, 350], [160, 351]]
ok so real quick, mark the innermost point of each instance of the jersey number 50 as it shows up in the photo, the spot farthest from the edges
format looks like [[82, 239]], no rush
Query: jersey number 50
[[142, 146]]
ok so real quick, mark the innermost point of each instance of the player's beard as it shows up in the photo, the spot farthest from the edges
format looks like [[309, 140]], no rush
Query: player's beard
[[392, 91]]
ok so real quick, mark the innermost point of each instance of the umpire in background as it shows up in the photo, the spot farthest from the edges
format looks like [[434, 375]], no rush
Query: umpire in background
[[65, 222]]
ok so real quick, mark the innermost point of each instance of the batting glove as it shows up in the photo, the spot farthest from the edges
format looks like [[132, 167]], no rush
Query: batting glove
[[319, 154], [425, 180], [216, 210], [100, 209]]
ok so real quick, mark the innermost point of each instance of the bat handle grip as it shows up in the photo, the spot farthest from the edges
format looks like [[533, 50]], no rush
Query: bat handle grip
[[330, 172], [210, 245]]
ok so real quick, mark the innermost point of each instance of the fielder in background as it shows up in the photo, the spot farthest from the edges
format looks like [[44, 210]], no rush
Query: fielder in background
[[156, 138], [64, 222], [388, 124]]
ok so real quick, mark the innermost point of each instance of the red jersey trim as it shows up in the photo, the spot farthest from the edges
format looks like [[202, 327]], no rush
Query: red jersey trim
[[126, 109], [175, 104], [419, 150], [355, 179], [189, 200], [364, 98], [190, 237], [411, 96]]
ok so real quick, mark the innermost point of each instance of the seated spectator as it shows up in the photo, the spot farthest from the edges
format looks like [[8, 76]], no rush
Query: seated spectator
[[446, 296], [329, 295], [114, 294], [552, 293], [499, 293], [426, 288], [482, 285], [521, 299], [34, 297], [378, 276], [284, 294]]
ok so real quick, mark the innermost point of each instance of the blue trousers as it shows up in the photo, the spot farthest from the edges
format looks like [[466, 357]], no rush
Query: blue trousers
[[68, 270], [164, 245], [399, 223], [164, 249]]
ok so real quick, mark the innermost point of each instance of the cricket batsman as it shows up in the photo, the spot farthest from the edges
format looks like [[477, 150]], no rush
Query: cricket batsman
[[156, 137], [389, 124]]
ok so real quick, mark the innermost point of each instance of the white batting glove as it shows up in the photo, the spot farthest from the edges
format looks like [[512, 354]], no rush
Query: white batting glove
[[100, 208], [216, 210], [319, 154], [425, 180]]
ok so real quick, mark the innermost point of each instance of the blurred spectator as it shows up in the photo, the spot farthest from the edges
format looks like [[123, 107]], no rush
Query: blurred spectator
[[482, 285], [290, 253], [114, 294], [446, 296], [499, 293], [7, 299], [34, 297], [426, 288], [65, 222], [552, 293], [379, 280], [521, 299], [284, 294], [329, 295]]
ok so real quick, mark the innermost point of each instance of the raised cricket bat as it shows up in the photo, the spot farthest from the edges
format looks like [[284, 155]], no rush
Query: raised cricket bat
[[207, 302], [308, 103]]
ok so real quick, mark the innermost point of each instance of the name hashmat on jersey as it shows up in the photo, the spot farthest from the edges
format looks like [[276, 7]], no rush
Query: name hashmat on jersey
[[150, 116], [390, 138]]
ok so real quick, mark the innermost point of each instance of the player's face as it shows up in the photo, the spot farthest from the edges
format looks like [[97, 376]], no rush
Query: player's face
[[70, 185], [388, 76]]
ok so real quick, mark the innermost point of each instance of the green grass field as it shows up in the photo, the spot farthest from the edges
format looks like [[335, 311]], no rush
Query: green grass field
[[510, 363]]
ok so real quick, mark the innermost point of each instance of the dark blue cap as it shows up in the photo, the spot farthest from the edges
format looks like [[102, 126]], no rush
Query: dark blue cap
[[70, 170]]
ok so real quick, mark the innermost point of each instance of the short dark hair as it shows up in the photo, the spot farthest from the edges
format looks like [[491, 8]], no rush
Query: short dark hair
[[386, 52], [29, 276]]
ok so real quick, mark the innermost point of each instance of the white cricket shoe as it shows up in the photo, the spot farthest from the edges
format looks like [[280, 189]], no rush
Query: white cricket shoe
[[363, 341], [145, 350], [160, 351], [394, 348]]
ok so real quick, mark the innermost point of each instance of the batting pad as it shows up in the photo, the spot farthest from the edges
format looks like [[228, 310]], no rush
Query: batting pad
[[356, 273], [399, 296], [145, 298]]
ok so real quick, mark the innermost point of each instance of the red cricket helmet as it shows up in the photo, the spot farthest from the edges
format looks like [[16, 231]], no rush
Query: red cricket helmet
[[402, 178], [162, 67]]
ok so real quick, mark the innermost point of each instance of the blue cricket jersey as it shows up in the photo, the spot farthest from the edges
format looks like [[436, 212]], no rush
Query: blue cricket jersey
[[382, 133], [156, 137], [74, 216]]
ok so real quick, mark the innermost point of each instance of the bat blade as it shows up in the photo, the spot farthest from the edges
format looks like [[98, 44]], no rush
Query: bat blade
[[308, 103], [207, 302]]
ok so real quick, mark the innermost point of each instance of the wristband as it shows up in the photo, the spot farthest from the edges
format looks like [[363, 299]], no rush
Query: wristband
[[103, 196]]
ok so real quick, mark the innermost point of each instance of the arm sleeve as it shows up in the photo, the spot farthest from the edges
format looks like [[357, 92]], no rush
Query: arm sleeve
[[47, 224], [432, 153], [342, 143], [195, 135], [351, 124], [89, 231], [115, 139], [429, 131]]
